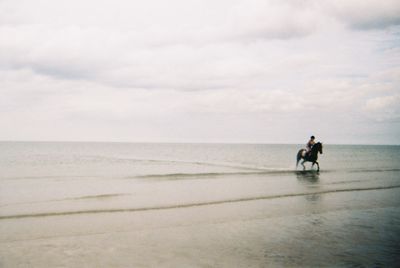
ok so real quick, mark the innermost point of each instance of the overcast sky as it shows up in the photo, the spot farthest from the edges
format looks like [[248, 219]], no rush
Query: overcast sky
[[254, 71]]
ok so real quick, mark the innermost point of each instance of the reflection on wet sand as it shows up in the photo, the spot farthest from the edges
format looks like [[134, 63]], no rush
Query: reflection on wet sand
[[308, 176]]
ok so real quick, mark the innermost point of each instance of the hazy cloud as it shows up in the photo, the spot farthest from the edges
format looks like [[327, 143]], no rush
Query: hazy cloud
[[368, 14], [162, 70]]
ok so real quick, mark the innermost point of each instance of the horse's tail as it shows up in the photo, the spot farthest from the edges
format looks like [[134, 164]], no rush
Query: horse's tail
[[299, 155]]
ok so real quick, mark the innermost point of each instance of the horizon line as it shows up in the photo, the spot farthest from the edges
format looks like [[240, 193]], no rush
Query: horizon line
[[191, 142]]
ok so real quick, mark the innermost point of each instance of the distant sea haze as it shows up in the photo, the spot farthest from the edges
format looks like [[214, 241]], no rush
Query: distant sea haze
[[217, 205]]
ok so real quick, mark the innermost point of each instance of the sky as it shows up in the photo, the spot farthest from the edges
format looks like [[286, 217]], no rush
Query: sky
[[230, 71]]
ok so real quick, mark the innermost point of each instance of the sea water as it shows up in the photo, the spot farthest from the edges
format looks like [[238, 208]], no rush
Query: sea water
[[197, 205]]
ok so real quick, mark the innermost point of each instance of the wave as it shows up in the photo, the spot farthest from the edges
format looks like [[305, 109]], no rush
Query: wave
[[95, 197], [375, 170], [189, 205], [99, 196], [50, 177], [178, 176], [176, 161], [259, 171], [189, 175]]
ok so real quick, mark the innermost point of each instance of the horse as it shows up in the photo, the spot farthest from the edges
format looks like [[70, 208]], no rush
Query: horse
[[311, 157]]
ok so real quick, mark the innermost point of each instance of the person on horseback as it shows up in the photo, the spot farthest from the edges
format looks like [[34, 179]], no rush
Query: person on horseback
[[309, 145], [310, 154]]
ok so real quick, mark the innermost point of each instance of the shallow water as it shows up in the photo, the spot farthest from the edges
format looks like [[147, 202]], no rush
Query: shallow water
[[211, 205]]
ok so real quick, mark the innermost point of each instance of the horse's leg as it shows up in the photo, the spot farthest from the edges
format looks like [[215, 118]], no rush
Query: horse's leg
[[302, 163], [298, 158], [317, 165]]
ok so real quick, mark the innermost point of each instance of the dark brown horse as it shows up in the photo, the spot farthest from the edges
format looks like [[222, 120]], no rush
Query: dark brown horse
[[310, 157]]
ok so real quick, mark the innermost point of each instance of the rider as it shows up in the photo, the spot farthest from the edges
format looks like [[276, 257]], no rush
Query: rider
[[310, 144]]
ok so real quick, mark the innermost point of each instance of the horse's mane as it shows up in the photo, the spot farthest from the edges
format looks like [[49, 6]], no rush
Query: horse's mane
[[316, 146]]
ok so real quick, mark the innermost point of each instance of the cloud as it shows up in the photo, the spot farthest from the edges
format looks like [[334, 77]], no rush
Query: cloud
[[152, 45], [115, 58], [385, 108], [385, 102], [164, 69], [258, 19], [365, 15]]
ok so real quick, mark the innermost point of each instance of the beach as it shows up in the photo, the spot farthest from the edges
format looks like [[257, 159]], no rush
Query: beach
[[197, 205]]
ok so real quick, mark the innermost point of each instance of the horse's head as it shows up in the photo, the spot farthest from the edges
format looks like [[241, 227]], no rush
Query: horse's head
[[317, 148], [320, 147]]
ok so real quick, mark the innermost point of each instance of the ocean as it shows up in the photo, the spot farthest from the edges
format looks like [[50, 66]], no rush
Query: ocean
[[87, 204]]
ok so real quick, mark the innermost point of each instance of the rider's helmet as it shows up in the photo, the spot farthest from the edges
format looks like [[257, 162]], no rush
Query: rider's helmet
[[312, 137]]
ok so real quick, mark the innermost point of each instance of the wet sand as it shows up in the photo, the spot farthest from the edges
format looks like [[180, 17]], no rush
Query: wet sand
[[282, 219]]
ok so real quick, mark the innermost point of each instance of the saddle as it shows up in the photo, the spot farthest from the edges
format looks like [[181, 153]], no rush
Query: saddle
[[305, 154]]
